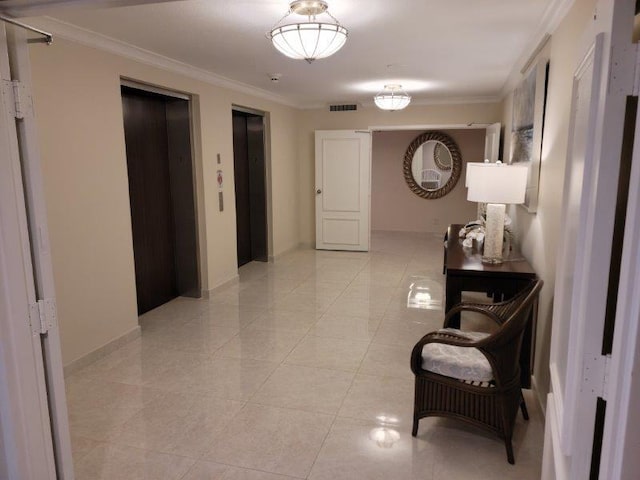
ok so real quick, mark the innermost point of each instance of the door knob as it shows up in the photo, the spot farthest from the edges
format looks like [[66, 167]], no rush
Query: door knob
[[318, 191]]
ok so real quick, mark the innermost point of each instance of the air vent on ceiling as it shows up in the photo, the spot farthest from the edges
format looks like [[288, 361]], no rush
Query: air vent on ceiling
[[343, 108]]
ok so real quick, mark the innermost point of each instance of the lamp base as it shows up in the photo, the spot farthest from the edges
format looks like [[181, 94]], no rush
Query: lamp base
[[494, 233], [491, 261]]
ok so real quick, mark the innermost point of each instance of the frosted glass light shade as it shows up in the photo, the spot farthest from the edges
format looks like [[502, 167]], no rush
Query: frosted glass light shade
[[308, 41], [392, 98], [496, 183]]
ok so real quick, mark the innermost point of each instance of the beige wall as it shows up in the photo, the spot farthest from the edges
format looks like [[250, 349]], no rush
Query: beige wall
[[365, 117], [395, 207], [539, 233], [79, 114]]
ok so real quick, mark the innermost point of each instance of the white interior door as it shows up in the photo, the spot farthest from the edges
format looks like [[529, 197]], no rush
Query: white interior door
[[492, 142], [343, 189], [577, 366], [568, 311]]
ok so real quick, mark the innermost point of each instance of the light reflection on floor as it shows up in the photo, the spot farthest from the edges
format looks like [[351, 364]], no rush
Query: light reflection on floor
[[425, 293]]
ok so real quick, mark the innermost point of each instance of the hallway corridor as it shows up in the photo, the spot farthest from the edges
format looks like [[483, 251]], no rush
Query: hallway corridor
[[299, 370]]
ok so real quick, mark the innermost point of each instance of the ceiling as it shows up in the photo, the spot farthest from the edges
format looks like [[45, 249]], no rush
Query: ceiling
[[438, 50]]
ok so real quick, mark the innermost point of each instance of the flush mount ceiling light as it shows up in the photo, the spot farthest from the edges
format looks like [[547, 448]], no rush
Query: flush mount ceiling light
[[392, 98], [308, 40]]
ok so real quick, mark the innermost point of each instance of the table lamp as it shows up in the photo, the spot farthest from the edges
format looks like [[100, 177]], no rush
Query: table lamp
[[495, 184]]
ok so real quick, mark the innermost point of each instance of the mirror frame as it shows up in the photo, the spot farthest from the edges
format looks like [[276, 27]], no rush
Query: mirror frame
[[456, 164]]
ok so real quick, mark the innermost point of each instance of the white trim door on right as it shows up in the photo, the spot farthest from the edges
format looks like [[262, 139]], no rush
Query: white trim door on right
[[343, 190], [578, 367]]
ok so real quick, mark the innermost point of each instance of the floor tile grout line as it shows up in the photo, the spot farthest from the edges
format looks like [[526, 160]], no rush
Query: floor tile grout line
[[285, 358], [343, 398], [251, 469], [357, 372]]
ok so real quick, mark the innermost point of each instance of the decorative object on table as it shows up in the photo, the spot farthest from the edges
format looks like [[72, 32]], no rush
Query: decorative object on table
[[475, 230], [527, 126], [495, 184], [392, 98], [311, 39], [423, 173], [472, 231]]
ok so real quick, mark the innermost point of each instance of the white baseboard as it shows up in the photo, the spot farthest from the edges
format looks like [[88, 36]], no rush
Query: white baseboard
[[232, 281], [102, 351], [536, 394], [273, 258]]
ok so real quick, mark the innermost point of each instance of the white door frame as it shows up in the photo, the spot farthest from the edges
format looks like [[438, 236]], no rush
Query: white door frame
[[570, 431], [33, 409], [620, 438], [569, 303], [41, 256], [24, 414], [434, 126]]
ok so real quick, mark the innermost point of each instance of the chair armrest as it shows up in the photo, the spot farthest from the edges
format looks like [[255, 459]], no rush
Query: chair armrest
[[446, 338], [471, 307]]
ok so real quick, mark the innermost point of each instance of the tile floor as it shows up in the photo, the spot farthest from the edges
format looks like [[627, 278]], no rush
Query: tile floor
[[300, 370]]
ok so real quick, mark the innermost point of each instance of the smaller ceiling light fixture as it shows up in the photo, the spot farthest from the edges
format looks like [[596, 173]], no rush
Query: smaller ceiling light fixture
[[392, 98], [308, 40]]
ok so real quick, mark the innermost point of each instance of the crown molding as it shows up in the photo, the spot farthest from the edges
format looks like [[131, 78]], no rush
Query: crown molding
[[553, 15], [455, 100], [414, 102], [322, 105], [32, 8], [460, 100], [437, 126], [102, 42]]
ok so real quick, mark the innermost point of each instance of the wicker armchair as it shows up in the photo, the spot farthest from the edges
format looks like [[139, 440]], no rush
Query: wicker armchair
[[472, 376]]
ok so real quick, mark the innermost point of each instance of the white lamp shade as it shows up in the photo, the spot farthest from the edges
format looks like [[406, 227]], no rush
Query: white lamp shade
[[496, 183], [309, 40]]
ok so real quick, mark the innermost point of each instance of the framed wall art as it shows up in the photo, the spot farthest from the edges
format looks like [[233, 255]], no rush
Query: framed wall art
[[527, 127]]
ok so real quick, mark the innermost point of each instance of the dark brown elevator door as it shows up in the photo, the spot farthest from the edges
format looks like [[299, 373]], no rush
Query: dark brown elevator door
[[249, 176], [145, 128], [241, 177]]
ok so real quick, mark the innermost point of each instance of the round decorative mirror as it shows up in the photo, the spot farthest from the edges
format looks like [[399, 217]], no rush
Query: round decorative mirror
[[432, 165]]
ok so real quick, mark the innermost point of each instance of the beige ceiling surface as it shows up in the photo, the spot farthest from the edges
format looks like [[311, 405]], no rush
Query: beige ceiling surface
[[436, 48]]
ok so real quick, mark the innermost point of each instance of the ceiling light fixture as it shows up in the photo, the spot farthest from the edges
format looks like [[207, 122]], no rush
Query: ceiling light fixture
[[309, 40], [392, 98]]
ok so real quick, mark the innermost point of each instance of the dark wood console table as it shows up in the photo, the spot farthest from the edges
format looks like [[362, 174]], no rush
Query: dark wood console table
[[466, 272]]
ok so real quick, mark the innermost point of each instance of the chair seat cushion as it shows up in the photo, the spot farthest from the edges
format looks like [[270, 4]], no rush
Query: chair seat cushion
[[463, 363]]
